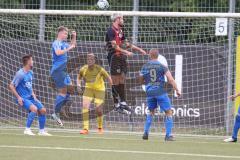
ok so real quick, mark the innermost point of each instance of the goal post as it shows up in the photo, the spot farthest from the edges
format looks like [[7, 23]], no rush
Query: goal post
[[186, 41]]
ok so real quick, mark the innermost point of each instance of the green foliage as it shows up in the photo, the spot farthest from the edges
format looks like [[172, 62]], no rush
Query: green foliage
[[173, 30]]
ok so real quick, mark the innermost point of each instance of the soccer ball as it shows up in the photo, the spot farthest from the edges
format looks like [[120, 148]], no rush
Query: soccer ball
[[103, 4]]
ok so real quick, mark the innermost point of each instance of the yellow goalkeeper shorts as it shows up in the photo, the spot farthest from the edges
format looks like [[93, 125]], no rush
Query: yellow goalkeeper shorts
[[97, 96]]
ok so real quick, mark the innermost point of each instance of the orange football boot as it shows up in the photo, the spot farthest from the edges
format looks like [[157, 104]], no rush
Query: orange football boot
[[84, 131]]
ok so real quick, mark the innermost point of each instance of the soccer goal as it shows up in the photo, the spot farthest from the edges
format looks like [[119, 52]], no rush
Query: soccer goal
[[199, 49]]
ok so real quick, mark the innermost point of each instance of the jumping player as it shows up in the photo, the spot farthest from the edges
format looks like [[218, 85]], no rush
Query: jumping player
[[60, 49], [117, 46]]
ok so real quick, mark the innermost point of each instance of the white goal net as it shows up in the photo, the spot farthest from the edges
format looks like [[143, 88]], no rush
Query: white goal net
[[201, 61]]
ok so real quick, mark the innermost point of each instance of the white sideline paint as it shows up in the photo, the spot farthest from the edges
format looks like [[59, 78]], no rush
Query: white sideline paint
[[122, 151]]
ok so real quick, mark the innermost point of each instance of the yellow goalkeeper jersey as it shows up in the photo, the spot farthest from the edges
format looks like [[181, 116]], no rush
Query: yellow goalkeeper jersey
[[94, 77]]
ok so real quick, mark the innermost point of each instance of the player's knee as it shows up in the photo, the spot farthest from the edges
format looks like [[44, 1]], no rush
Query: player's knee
[[86, 104], [43, 111], [33, 108], [99, 110]]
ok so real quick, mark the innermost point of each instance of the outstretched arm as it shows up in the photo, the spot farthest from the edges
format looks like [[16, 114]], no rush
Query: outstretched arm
[[135, 48], [119, 49]]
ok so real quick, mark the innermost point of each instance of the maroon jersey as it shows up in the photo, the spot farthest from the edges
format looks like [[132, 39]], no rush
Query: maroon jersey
[[114, 34]]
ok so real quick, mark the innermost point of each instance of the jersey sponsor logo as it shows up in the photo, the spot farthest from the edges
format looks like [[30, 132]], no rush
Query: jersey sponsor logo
[[28, 85]]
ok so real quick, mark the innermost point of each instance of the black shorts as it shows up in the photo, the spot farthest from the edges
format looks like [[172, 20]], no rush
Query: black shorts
[[118, 64]]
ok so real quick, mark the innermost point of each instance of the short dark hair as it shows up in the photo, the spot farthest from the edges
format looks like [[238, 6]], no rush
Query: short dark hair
[[62, 28], [26, 58]]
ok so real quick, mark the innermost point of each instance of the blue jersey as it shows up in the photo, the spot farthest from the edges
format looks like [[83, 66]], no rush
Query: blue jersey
[[153, 73], [23, 83], [59, 61]]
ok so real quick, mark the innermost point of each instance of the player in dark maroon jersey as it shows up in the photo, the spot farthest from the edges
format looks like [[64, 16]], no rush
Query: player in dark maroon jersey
[[117, 46]]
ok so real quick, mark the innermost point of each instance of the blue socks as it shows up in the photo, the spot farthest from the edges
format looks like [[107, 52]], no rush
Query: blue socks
[[30, 119], [41, 121], [60, 101], [236, 127], [148, 123], [168, 125]]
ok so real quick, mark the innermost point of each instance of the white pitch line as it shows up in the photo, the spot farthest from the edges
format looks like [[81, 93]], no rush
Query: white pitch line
[[128, 139], [122, 151]]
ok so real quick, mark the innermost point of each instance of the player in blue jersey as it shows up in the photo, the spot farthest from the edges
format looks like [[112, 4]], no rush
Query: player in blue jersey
[[236, 123], [60, 49], [152, 75], [21, 87]]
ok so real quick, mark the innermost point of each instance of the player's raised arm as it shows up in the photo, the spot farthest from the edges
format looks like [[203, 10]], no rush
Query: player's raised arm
[[74, 38], [172, 82], [62, 35]]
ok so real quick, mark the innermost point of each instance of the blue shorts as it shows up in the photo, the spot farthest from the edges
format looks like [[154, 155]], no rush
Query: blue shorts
[[163, 101], [60, 78], [27, 102]]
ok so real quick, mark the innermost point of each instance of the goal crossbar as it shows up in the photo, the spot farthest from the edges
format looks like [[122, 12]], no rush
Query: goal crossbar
[[124, 13]]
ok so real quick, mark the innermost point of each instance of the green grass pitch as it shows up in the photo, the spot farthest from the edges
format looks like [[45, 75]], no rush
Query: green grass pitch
[[72, 146]]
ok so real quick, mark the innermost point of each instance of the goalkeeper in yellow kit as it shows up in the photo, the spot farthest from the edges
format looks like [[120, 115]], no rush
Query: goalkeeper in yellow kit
[[93, 76]]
